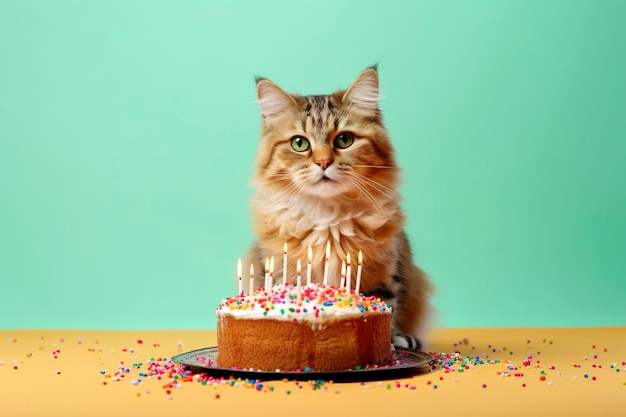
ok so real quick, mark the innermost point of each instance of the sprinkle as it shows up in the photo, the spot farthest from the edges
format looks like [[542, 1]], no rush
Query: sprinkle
[[314, 296]]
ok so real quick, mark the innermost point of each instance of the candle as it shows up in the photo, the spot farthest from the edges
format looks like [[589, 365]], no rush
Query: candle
[[251, 279], [343, 274], [267, 272], [326, 264], [271, 280], [308, 268], [285, 263], [348, 274], [240, 277], [298, 280], [359, 268]]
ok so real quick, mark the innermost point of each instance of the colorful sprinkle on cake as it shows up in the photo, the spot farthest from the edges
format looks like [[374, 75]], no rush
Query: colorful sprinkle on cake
[[314, 301]]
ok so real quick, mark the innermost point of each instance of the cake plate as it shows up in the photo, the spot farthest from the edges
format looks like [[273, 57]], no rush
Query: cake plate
[[404, 363]]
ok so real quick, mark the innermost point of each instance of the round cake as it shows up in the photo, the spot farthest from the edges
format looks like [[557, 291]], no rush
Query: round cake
[[311, 328]]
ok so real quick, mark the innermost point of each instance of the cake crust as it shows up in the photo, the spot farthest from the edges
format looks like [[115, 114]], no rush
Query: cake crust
[[275, 345]]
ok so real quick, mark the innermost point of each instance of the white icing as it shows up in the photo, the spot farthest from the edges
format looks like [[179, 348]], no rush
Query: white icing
[[326, 304]]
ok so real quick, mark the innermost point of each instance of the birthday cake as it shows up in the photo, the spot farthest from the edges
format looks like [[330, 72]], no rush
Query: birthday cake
[[315, 327]]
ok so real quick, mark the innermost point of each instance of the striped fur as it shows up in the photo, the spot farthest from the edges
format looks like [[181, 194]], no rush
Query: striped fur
[[344, 196]]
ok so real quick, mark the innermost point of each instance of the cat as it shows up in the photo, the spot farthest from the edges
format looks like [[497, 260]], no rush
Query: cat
[[326, 172]]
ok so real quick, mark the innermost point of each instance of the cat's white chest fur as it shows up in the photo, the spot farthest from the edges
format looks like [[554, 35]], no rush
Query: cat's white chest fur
[[316, 221]]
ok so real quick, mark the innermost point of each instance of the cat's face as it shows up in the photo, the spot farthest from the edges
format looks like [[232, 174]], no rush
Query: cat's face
[[332, 146]]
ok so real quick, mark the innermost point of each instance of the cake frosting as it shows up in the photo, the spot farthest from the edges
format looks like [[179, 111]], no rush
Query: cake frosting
[[318, 303], [322, 327]]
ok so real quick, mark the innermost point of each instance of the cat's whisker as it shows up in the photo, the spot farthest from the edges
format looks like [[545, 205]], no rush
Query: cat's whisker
[[292, 189], [278, 177], [375, 166], [374, 200], [381, 188], [274, 175], [367, 180], [276, 180], [289, 191], [280, 186], [366, 193]]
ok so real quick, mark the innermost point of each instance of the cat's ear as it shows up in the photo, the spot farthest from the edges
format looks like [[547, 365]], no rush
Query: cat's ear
[[363, 92], [272, 100]]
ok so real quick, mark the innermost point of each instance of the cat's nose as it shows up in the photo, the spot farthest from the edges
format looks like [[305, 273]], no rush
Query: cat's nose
[[324, 163]]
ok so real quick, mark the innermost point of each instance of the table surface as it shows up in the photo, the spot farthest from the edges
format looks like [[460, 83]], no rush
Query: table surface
[[503, 371]]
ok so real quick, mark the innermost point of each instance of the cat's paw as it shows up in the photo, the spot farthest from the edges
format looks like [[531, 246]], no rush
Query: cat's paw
[[403, 341]]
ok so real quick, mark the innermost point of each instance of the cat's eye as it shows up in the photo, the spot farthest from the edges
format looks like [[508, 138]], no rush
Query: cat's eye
[[300, 144], [344, 140]]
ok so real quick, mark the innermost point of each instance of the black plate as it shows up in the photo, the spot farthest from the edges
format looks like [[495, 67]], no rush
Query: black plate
[[404, 363]]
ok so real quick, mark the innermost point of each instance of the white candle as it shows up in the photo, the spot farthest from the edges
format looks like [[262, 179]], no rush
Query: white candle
[[285, 263], [271, 280], [240, 277], [298, 280], [326, 264], [251, 279], [308, 268], [359, 268], [343, 274], [348, 274]]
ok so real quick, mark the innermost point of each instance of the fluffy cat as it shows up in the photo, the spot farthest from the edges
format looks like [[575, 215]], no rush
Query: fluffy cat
[[326, 172]]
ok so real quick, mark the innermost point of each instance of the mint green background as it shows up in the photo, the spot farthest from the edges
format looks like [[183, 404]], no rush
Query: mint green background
[[128, 131]]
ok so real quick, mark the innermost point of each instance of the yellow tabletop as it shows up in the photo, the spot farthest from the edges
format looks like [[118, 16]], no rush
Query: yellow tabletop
[[483, 372]]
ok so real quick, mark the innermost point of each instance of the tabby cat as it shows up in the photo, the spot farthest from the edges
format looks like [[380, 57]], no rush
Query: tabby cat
[[326, 172]]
